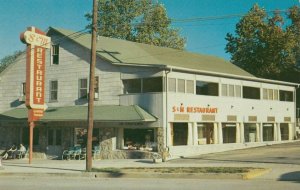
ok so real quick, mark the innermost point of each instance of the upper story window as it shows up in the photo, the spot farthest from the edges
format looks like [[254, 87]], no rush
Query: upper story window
[[231, 90], [181, 85], [83, 88], [190, 86], [207, 88], [152, 84], [144, 85], [286, 96], [96, 88], [53, 90], [270, 94], [132, 86], [251, 92], [23, 89], [55, 54], [171, 84]]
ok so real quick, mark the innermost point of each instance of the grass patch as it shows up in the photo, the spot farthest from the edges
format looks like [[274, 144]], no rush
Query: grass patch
[[229, 170], [107, 170]]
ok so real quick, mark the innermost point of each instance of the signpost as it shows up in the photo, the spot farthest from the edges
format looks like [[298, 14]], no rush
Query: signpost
[[37, 42]]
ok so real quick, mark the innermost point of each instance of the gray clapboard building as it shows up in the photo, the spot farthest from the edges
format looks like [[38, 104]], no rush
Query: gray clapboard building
[[147, 99]]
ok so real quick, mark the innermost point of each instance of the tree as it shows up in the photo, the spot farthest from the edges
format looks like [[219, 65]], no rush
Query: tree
[[141, 21], [261, 45], [5, 61], [294, 27]]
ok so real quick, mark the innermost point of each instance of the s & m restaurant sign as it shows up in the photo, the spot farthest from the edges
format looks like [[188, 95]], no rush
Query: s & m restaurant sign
[[37, 42]]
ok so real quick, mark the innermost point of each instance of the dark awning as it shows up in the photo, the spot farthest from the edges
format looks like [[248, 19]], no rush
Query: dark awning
[[108, 113]]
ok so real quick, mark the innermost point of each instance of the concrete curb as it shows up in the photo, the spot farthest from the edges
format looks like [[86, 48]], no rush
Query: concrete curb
[[256, 173], [246, 176]]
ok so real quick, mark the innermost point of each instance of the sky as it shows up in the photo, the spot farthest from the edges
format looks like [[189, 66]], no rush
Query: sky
[[205, 37]]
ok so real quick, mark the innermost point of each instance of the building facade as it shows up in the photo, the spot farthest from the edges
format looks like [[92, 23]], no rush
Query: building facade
[[147, 99]]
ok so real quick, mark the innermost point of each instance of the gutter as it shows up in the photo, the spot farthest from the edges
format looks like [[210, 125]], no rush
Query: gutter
[[226, 75], [235, 76]]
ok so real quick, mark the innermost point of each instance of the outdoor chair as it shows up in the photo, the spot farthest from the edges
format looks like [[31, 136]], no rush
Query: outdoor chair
[[21, 154], [71, 153], [76, 152], [82, 155], [67, 154], [96, 152]]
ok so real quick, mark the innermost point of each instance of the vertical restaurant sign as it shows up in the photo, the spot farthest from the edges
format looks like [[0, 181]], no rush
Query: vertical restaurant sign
[[37, 42]]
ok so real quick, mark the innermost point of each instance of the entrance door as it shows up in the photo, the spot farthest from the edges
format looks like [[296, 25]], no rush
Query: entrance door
[[25, 136], [268, 132], [284, 130], [229, 132], [54, 138], [180, 134], [250, 132]]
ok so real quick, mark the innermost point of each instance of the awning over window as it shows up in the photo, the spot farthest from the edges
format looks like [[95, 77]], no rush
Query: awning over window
[[108, 113]]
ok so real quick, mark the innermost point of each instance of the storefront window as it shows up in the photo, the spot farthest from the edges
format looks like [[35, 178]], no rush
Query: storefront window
[[268, 132], [205, 133], [250, 132], [139, 139], [284, 130], [229, 132], [80, 137]]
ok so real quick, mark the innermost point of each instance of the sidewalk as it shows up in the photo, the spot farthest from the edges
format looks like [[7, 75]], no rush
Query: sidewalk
[[76, 168]]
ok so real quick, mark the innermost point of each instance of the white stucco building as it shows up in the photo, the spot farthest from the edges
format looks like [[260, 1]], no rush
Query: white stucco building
[[148, 99]]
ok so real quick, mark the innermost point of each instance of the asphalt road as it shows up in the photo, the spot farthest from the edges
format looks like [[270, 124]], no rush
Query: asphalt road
[[10, 183], [283, 159], [288, 153]]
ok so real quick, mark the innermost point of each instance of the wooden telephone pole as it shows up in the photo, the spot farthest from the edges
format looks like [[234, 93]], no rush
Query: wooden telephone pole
[[91, 89]]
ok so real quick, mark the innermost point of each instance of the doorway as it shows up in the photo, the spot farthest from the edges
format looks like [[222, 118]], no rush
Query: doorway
[[284, 130], [229, 132], [268, 132], [180, 134]]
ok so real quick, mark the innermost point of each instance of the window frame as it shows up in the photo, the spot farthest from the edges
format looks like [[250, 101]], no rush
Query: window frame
[[51, 90], [216, 88], [55, 54], [80, 88]]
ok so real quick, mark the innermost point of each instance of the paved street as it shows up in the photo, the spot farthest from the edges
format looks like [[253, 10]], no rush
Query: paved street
[[10, 183], [284, 160]]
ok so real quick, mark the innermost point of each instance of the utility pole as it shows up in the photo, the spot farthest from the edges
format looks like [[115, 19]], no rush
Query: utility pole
[[91, 89]]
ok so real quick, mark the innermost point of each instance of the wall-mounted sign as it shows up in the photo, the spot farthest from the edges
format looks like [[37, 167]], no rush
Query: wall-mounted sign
[[37, 42], [193, 109]]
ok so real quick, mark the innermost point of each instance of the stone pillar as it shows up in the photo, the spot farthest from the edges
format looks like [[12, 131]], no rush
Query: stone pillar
[[160, 139], [258, 133], [237, 133], [291, 131], [242, 134], [195, 134], [220, 133], [120, 138], [190, 134], [216, 139], [278, 132], [275, 132], [261, 136]]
